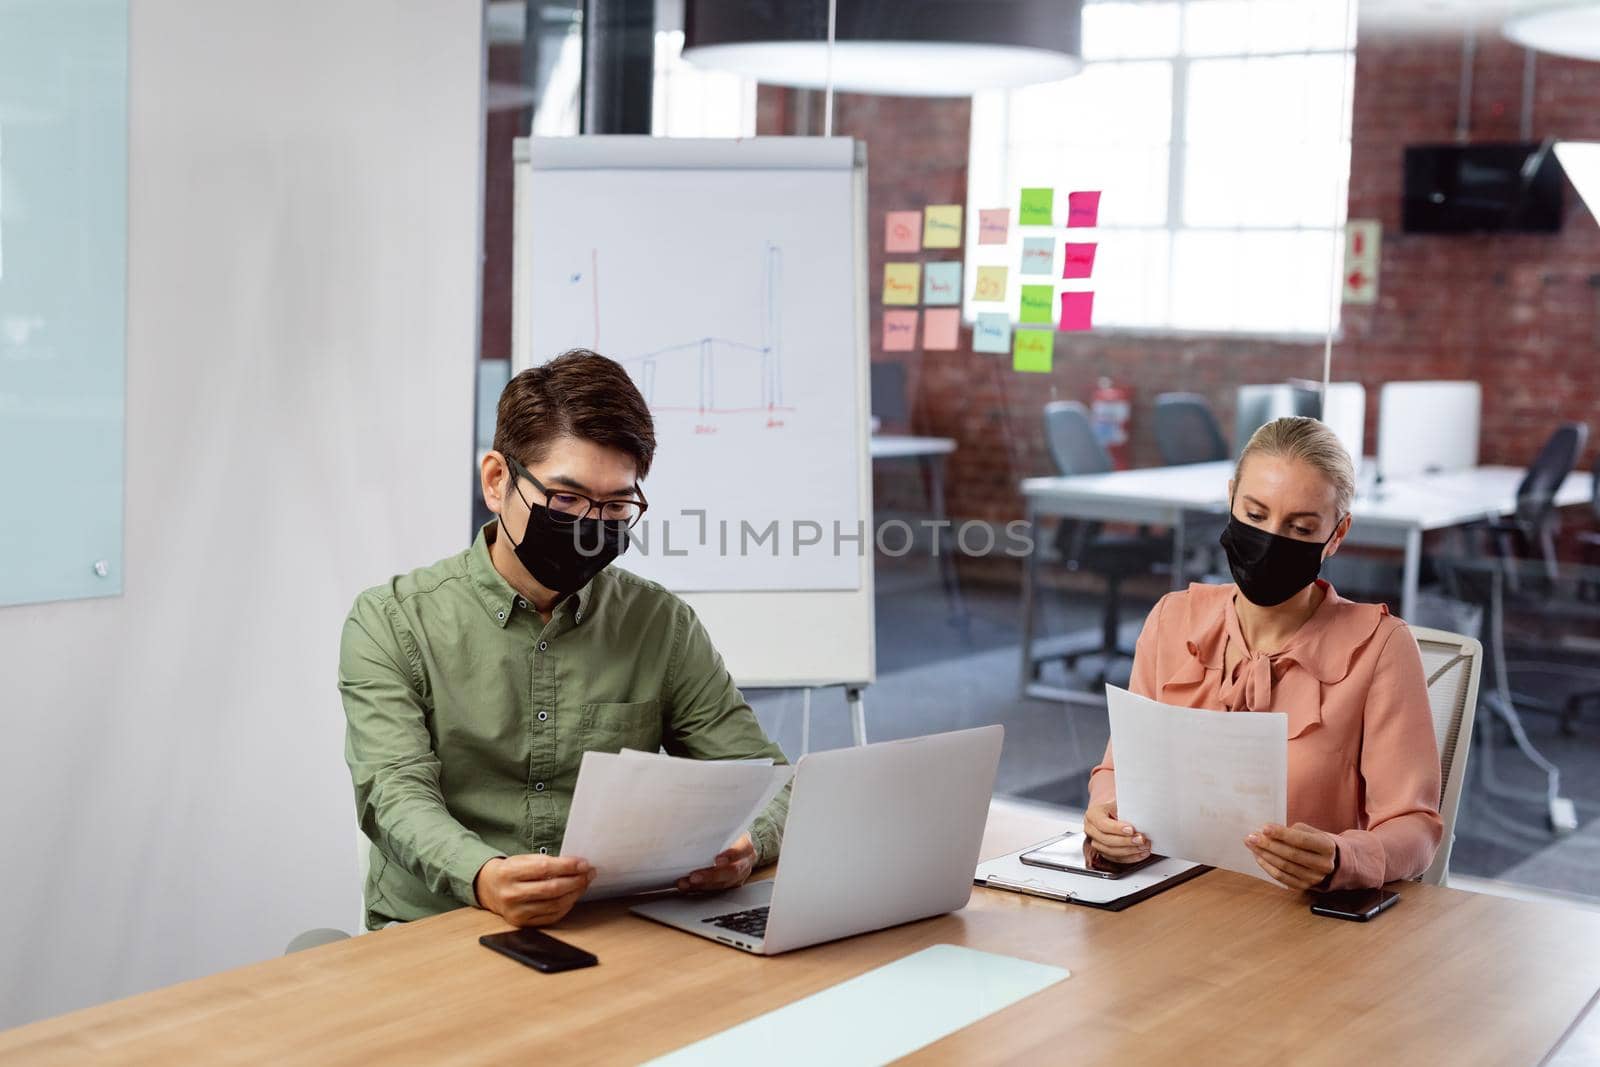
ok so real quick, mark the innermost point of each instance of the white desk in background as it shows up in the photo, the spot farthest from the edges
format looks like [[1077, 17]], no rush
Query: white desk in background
[[929, 452], [1396, 515]]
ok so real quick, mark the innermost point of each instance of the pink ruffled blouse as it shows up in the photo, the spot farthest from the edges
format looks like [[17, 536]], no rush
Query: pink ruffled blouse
[[1363, 763]]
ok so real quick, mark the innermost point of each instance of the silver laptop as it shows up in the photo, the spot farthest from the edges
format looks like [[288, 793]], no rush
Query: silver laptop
[[877, 835]]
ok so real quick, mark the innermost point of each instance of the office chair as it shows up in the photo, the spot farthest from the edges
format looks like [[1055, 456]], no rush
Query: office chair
[[1590, 539], [1588, 590], [1536, 520], [1187, 431], [326, 935], [1084, 545], [1452, 665], [1483, 584]]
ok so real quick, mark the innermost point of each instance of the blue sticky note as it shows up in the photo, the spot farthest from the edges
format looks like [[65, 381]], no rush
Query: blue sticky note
[[992, 332], [1038, 255], [941, 283]]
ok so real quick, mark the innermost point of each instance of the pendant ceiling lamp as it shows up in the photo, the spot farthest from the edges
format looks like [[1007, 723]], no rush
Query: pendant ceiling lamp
[[1569, 29], [895, 47]]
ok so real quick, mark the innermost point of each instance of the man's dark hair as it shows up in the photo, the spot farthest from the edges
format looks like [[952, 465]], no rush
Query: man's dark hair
[[578, 394]]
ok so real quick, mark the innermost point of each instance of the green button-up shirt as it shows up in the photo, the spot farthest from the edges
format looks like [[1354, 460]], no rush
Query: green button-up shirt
[[467, 716]]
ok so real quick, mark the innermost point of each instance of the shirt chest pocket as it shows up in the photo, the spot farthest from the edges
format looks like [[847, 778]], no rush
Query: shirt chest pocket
[[614, 727]]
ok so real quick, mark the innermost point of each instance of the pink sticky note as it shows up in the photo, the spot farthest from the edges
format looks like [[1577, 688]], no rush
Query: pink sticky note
[[942, 330], [899, 331], [1077, 311], [902, 231], [1079, 260], [1083, 209], [994, 225]]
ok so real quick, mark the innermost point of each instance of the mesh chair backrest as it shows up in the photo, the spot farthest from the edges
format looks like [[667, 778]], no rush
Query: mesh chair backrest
[[1452, 664], [1595, 474], [1537, 493], [1070, 437], [1187, 431]]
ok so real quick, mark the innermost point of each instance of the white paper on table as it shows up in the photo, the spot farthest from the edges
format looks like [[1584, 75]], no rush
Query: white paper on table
[[643, 821], [1195, 782]]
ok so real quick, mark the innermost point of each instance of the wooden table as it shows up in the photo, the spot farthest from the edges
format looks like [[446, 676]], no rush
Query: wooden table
[[1221, 969]]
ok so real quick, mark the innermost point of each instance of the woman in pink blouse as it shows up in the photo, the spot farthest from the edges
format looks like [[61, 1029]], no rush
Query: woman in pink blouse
[[1363, 765]]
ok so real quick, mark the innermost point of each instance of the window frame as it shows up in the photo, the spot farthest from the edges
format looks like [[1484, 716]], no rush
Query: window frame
[[998, 107]]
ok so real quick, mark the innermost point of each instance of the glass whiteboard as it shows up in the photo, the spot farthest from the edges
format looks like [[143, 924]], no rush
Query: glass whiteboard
[[63, 284]]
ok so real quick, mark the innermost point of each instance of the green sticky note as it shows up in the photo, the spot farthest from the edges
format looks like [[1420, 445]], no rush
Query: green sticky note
[[1036, 301], [1038, 205], [1033, 350]]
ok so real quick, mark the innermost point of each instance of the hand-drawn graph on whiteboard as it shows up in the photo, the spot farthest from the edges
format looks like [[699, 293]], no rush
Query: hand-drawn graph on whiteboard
[[710, 376], [732, 305]]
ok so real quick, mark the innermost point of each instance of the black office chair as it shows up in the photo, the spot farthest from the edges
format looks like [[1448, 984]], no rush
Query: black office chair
[[1589, 591], [1590, 539], [1187, 431], [1532, 527], [1085, 545]]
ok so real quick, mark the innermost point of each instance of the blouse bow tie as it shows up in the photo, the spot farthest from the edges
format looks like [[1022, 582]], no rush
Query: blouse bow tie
[[1250, 689]]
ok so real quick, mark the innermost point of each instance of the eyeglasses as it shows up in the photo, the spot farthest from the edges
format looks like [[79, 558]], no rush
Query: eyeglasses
[[570, 507]]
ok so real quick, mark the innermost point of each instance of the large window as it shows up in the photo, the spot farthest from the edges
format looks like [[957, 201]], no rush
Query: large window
[[1219, 134]]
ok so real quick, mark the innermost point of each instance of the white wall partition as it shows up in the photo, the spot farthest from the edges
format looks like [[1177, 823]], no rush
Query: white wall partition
[[304, 207]]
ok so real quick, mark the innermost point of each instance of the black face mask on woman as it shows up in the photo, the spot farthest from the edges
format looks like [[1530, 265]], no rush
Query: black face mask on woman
[[563, 554], [1267, 567]]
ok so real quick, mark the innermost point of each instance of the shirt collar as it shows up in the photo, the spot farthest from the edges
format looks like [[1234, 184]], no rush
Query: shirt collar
[[1326, 645], [497, 595]]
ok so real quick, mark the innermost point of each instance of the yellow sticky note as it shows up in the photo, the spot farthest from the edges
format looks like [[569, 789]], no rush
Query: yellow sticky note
[[991, 284], [902, 283], [1033, 350], [941, 226]]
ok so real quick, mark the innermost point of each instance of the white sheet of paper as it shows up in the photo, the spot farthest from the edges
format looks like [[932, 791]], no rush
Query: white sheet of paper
[[634, 753], [1195, 782], [643, 821]]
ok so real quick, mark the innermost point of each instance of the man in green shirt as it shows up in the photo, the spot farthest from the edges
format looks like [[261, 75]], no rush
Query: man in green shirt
[[473, 687]]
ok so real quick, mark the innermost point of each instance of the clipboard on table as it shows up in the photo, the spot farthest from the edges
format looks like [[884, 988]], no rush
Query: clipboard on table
[[1009, 873]]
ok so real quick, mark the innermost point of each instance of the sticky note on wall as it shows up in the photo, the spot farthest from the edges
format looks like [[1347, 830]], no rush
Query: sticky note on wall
[[902, 231], [1083, 209], [942, 226], [899, 331], [1037, 207], [941, 283], [991, 284], [1078, 260], [902, 283], [941, 329], [994, 226], [1033, 350], [1036, 301], [1038, 255], [1077, 311], [992, 332]]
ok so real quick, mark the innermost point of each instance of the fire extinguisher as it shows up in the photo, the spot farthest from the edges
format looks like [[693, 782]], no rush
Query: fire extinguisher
[[1111, 407]]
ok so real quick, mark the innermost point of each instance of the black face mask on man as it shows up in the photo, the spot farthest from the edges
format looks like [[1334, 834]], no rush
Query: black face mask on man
[[563, 553], [1267, 567]]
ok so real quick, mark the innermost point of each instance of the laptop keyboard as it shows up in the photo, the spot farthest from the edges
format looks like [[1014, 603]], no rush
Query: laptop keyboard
[[751, 923]]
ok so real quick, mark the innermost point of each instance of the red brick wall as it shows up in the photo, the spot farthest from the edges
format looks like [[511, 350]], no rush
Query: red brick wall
[[1518, 313]]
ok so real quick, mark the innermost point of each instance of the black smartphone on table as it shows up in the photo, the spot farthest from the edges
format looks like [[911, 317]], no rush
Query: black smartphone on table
[[539, 950], [1067, 854], [1357, 905]]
